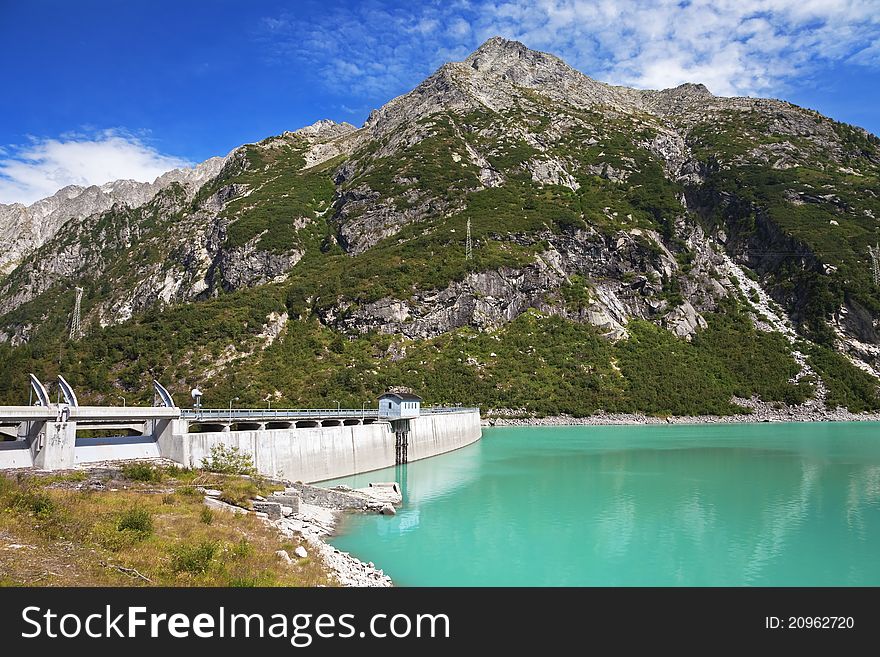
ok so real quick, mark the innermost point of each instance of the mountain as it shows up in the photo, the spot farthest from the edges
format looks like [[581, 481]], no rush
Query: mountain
[[660, 251], [25, 228]]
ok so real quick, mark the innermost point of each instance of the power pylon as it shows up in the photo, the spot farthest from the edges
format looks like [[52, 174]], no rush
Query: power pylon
[[75, 326], [468, 247], [874, 251]]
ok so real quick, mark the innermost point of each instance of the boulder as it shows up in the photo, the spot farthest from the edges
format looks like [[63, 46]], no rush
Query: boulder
[[211, 503], [286, 499], [271, 509]]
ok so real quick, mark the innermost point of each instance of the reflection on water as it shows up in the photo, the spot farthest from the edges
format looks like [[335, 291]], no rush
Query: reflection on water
[[722, 505]]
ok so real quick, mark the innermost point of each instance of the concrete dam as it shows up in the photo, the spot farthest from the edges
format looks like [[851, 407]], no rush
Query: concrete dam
[[306, 445]]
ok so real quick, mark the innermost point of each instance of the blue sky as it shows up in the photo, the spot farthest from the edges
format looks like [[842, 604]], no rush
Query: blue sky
[[95, 91]]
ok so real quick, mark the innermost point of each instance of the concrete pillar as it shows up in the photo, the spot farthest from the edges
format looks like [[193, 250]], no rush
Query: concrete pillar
[[172, 437], [59, 446], [34, 437]]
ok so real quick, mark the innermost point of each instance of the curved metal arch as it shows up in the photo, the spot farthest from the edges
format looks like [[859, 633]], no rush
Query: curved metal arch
[[163, 395], [40, 390], [67, 391]]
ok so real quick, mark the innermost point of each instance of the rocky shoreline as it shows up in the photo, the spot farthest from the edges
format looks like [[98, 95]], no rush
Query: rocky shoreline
[[316, 519], [314, 524], [811, 411]]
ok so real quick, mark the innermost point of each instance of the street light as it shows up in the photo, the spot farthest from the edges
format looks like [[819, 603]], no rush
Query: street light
[[230, 406], [364, 410], [123, 400], [337, 405]]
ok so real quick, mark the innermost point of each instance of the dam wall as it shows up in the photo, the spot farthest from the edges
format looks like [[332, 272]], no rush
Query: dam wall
[[319, 453], [298, 453]]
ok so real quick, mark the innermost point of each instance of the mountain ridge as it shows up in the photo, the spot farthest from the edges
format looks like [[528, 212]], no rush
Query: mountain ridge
[[332, 257]]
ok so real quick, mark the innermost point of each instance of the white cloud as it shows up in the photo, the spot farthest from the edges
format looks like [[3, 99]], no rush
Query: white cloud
[[42, 167], [735, 47]]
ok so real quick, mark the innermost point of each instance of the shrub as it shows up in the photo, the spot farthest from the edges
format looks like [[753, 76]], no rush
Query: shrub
[[206, 515], [141, 472], [242, 549], [137, 520], [35, 503], [239, 491], [181, 474], [229, 460], [193, 559], [6, 486], [190, 491]]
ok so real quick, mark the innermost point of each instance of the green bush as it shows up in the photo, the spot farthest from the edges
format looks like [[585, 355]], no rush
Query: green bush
[[229, 460], [139, 521], [193, 559], [848, 386], [242, 549], [34, 502], [142, 472], [206, 515]]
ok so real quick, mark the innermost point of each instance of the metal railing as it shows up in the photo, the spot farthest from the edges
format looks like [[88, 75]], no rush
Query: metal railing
[[243, 414], [275, 413], [428, 410]]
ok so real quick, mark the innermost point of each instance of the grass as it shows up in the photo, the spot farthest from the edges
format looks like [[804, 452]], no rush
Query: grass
[[137, 520], [194, 559], [72, 537], [143, 472]]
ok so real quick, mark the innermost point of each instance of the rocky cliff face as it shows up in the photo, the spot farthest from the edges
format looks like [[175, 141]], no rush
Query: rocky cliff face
[[594, 204], [24, 229]]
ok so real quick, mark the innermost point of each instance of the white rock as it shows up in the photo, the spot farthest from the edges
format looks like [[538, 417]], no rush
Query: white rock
[[300, 551], [213, 492], [281, 554]]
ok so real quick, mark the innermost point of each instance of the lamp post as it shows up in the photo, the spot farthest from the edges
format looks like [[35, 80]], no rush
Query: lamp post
[[337, 405], [123, 400], [363, 410], [230, 406], [197, 401]]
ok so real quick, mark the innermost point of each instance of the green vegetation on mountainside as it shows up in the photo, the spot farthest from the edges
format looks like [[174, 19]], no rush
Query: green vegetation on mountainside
[[541, 364], [828, 207], [281, 197]]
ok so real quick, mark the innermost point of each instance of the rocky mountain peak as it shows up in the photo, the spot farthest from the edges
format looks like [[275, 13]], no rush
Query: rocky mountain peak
[[693, 89], [498, 49], [325, 129], [515, 62]]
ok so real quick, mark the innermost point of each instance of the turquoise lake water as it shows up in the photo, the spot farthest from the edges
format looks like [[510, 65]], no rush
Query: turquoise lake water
[[714, 505]]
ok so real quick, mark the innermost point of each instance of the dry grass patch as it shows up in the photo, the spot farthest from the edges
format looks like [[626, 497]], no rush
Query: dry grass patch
[[62, 536]]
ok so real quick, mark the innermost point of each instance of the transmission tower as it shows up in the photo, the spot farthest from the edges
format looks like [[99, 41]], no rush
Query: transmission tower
[[468, 247], [874, 251], [75, 327]]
